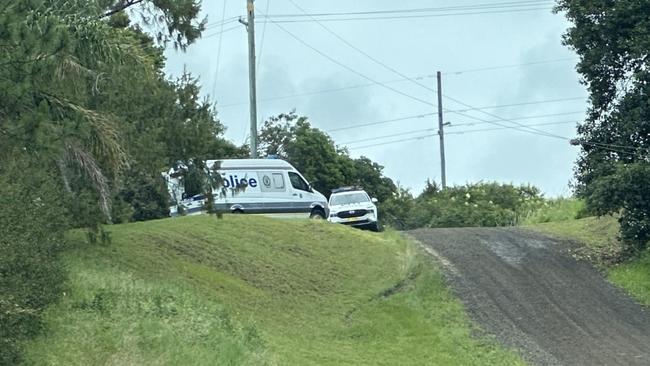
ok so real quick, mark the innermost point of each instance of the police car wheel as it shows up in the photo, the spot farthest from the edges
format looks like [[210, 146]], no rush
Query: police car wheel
[[317, 215]]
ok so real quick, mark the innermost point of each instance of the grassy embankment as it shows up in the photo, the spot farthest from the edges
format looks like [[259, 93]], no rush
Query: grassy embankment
[[245, 290], [600, 245]]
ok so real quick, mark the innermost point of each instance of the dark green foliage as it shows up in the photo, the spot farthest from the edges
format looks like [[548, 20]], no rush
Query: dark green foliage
[[145, 197], [315, 155], [88, 121], [195, 179], [612, 39], [398, 211], [174, 21], [32, 223], [480, 204], [369, 175]]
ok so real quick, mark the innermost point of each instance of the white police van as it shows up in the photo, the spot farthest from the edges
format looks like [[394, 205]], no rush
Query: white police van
[[256, 186], [353, 206]]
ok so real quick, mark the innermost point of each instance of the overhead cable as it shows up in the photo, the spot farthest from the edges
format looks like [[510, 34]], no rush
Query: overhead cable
[[337, 62]]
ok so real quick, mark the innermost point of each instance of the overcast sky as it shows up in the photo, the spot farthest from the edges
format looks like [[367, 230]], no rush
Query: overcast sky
[[415, 47]]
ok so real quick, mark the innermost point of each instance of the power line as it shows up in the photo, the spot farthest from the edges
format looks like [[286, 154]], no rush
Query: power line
[[392, 142], [525, 128], [362, 52], [349, 127], [506, 5], [451, 133], [219, 33], [522, 128], [387, 136], [376, 61], [224, 21], [425, 10], [259, 54], [216, 72], [323, 91], [491, 68], [599, 145], [547, 101], [532, 130], [537, 131], [335, 61], [423, 115], [393, 70], [393, 81], [508, 128], [518, 118], [396, 17]]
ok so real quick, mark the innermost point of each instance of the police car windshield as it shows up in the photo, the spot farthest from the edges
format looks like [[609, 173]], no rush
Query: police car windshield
[[348, 199]]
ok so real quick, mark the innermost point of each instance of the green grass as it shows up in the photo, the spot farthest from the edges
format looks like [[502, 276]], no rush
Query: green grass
[[600, 245], [634, 276], [555, 210], [246, 290]]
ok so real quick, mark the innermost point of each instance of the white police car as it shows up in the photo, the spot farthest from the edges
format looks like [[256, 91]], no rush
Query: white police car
[[352, 206]]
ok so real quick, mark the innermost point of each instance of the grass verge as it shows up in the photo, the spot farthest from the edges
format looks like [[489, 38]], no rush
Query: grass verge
[[555, 210], [246, 290]]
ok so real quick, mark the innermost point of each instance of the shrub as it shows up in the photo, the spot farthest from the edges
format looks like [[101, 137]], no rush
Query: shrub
[[478, 204], [31, 235]]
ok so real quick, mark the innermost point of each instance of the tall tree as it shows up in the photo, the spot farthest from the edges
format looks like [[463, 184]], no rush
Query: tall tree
[[314, 153], [173, 21], [86, 115], [612, 39], [51, 144]]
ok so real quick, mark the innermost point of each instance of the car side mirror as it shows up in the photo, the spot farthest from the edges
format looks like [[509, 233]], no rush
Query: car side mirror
[[374, 200]]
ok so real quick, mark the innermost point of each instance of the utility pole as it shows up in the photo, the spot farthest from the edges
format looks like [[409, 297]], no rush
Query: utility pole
[[250, 26], [441, 133]]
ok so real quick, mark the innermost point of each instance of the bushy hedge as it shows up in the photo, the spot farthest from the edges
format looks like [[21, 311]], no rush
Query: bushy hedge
[[478, 204], [31, 236]]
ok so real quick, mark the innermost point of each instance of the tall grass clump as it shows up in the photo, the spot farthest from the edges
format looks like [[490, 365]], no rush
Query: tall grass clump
[[113, 317], [556, 210]]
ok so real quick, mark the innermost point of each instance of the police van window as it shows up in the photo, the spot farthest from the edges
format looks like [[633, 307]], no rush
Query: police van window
[[297, 182], [278, 181]]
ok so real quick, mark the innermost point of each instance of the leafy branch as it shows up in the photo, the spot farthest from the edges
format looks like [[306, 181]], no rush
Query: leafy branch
[[120, 7]]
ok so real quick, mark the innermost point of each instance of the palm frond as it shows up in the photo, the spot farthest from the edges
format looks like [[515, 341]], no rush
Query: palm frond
[[105, 139], [76, 155]]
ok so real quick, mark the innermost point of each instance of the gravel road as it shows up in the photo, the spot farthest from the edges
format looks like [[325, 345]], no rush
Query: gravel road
[[523, 288]]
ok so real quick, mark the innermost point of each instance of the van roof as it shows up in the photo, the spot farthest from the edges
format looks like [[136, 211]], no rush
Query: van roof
[[233, 164]]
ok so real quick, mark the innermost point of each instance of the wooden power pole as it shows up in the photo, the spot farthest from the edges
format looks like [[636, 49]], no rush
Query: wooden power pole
[[250, 26], [441, 133]]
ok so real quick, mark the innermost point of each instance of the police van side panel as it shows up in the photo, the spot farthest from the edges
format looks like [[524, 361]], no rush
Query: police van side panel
[[251, 186], [267, 191], [254, 192]]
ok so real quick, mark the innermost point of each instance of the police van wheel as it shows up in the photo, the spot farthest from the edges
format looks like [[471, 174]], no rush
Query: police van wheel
[[237, 212], [317, 215]]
